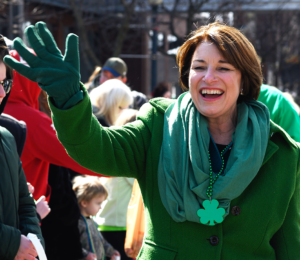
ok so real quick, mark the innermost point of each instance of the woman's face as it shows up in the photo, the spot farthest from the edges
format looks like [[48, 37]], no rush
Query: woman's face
[[214, 83], [2, 77]]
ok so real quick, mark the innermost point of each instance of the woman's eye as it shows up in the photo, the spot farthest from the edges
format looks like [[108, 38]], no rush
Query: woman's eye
[[224, 69], [199, 68]]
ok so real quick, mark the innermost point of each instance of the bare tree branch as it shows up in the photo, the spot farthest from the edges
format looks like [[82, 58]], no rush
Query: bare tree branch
[[129, 9], [87, 53]]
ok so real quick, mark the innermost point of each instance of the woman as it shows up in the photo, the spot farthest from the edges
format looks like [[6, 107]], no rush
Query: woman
[[17, 208], [109, 100], [219, 180]]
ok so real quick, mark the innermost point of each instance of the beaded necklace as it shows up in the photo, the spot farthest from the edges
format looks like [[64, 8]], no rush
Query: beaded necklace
[[211, 213]]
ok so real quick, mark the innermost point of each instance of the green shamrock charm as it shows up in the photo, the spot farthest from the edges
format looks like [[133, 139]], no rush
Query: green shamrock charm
[[211, 213]]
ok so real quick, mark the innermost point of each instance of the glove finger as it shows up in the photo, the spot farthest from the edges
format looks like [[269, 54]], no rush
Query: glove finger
[[72, 53], [36, 42], [25, 71], [48, 39], [22, 50]]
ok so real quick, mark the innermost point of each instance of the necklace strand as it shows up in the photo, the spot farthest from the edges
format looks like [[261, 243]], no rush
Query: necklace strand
[[212, 180]]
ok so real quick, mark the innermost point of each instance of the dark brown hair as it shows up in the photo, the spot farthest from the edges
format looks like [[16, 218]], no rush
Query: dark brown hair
[[4, 52], [235, 48], [161, 89]]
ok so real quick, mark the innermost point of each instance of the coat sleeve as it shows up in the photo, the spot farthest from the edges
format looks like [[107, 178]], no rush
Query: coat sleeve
[[29, 222], [108, 248], [10, 241], [113, 151], [83, 238], [286, 241], [10, 237]]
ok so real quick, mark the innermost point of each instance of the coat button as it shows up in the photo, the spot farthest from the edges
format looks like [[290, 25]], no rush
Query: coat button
[[214, 240], [236, 210]]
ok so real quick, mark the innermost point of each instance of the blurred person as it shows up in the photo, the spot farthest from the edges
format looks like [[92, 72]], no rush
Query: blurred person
[[16, 127], [42, 146], [109, 100], [139, 99], [116, 68], [17, 209], [162, 90], [282, 111], [19, 131], [112, 219], [60, 227], [90, 194], [127, 116], [94, 79]]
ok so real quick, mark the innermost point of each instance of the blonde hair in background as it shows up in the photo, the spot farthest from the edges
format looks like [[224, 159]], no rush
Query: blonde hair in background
[[109, 97], [127, 116], [88, 187]]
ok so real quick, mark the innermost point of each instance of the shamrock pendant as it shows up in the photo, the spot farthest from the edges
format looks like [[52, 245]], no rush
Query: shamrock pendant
[[211, 213]]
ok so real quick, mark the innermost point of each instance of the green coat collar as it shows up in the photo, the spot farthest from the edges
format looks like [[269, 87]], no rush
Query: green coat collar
[[161, 104]]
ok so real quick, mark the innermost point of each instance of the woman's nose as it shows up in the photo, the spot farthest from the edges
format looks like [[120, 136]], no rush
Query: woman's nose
[[209, 77]]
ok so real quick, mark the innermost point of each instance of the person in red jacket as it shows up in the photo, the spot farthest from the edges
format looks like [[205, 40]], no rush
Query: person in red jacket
[[42, 146]]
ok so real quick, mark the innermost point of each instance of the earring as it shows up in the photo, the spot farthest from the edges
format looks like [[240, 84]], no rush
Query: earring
[[242, 91]]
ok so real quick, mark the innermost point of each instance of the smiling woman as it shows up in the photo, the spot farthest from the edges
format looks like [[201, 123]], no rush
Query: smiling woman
[[218, 65], [219, 179]]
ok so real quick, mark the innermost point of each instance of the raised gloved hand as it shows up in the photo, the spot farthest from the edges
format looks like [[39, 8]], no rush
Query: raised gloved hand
[[56, 74]]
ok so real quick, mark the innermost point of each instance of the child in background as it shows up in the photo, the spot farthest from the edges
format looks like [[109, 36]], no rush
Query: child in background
[[90, 194]]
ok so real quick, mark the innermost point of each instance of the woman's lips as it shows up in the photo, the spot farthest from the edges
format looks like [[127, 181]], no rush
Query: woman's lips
[[211, 97]]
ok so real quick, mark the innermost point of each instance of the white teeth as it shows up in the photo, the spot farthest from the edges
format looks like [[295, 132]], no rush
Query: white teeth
[[211, 91]]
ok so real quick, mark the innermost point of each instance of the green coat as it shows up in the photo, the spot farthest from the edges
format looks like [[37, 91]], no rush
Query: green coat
[[17, 208], [268, 226]]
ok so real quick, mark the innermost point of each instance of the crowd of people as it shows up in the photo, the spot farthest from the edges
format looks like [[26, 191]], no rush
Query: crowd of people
[[218, 167]]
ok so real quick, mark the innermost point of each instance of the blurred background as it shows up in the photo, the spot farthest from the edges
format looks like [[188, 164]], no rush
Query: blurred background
[[147, 33]]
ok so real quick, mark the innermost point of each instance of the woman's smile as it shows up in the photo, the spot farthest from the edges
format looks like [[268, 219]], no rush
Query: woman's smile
[[211, 94]]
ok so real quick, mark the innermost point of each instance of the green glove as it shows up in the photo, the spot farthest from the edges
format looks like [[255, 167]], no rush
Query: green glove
[[56, 74]]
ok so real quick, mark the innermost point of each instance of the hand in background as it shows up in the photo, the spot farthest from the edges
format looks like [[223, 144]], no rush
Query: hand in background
[[42, 207], [131, 253], [91, 256], [30, 188], [26, 250], [116, 253]]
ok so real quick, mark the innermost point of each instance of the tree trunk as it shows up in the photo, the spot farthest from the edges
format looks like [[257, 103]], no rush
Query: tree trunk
[[129, 9], [87, 53]]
